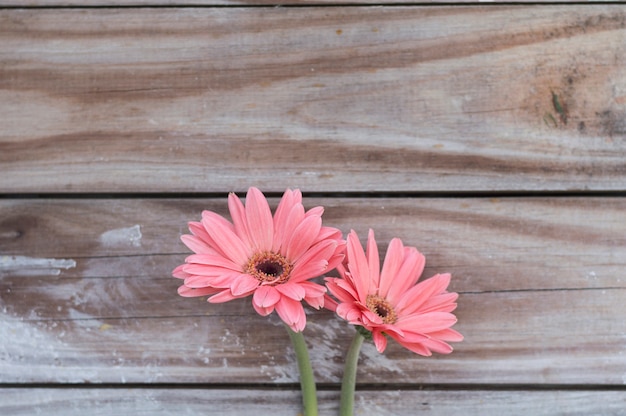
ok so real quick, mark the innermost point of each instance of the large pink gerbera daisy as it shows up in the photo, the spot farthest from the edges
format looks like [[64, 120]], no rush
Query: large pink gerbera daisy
[[271, 258], [391, 302]]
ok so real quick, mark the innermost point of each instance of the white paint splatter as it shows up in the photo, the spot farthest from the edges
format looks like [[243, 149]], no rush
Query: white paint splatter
[[281, 374], [377, 360], [32, 266], [129, 236]]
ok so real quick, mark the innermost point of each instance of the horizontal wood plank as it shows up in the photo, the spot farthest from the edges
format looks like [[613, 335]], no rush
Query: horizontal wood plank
[[243, 3], [326, 99], [537, 338], [86, 294], [158, 402], [553, 243]]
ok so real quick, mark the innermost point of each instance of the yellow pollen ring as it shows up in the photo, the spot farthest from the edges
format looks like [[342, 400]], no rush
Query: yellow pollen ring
[[269, 268], [381, 307]]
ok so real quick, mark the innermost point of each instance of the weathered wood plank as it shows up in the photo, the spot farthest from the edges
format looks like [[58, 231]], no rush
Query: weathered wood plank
[[542, 283], [544, 243], [326, 99], [556, 337], [157, 402], [32, 3]]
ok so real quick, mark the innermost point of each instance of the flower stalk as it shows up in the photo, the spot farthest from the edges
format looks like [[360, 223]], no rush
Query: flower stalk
[[348, 382], [307, 381]]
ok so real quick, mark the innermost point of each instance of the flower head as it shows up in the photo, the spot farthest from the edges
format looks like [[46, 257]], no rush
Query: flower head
[[390, 301], [269, 257]]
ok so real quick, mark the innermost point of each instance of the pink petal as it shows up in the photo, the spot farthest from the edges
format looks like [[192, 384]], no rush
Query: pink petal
[[230, 243], [196, 282], [410, 337], [266, 296], [380, 341], [342, 290], [449, 335], [309, 270], [238, 215], [444, 302], [198, 231], [373, 260], [390, 329], [428, 322], [341, 269], [371, 319], [414, 298], [315, 211], [417, 348], [285, 229], [243, 285], [285, 205], [338, 256], [438, 346], [262, 310], [315, 295], [302, 238], [407, 275], [204, 270], [313, 289], [221, 297], [358, 266], [292, 313], [350, 312], [335, 261], [190, 292], [179, 273], [330, 303], [260, 221], [329, 233], [316, 302], [291, 290], [196, 244], [391, 265], [314, 262], [222, 281], [214, 260]]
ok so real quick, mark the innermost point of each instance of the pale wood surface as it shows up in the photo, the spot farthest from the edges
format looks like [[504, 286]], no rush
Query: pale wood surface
[[100, 105], [77, 3], [161, 402], [326, 99], [542, 283]]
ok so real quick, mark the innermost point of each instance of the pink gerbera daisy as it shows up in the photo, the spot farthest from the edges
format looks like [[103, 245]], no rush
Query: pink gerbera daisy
[[391, 302], [271, 258]]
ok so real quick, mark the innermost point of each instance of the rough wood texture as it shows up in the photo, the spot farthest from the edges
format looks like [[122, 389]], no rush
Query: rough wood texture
[[372, 101], [326, 99], [34, 3], [160, 402], [91, 300]]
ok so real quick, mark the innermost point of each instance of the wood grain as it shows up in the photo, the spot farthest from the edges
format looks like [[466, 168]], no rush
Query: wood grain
[[158, 402], [541, 280], [186, 3], [326, 99]]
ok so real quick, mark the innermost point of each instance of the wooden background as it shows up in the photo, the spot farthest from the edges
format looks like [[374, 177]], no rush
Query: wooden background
[[492, 137]]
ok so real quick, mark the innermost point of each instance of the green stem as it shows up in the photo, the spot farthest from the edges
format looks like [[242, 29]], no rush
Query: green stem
[[307, 381], [349, 376]]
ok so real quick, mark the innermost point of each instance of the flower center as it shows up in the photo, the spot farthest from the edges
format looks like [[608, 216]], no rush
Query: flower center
[[269, 268], [382, 308]]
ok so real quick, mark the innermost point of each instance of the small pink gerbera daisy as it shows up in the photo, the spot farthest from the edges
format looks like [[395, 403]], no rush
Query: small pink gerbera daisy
[[390, 301], [271, 258]]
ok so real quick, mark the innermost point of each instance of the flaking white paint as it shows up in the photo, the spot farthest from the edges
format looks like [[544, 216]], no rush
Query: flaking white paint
[[128, 236], [33, 266]]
